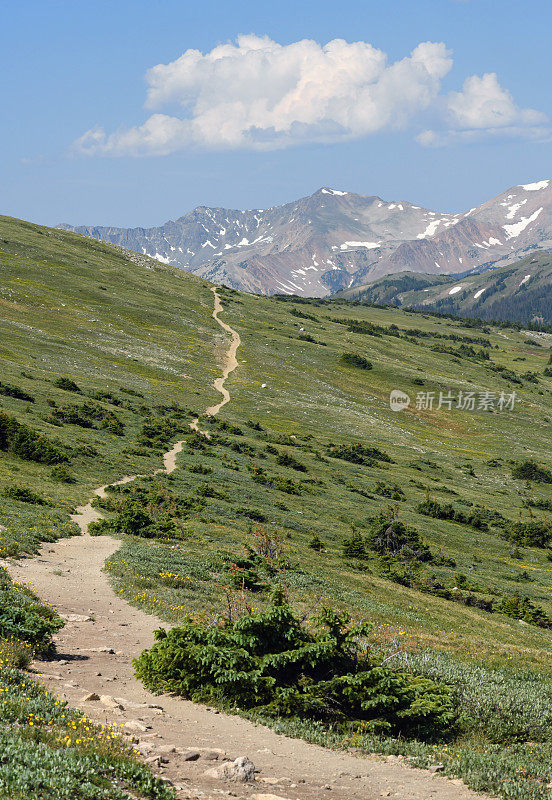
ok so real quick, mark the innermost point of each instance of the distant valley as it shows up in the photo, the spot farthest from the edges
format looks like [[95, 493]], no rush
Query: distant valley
[[520, 292]]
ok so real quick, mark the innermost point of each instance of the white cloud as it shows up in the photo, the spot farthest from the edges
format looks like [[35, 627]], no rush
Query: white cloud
[[484, 109], [483, 103], [258, 94]]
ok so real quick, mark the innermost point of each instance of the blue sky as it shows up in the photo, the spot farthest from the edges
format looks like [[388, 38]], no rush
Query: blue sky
[[415, 131]]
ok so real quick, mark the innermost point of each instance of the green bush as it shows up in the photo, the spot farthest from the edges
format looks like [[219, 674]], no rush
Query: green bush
[[24, 617], [394, 492], [61, 474], [287, 460], [391, 537], [67, 384], [24, 495], [535, 533], [22, 441], [270, 662], [531, 471], [133, 520], [522, 608], [251, 513], [432, 508], [358, 454], [89, 415], [9, 390], [159, 431], [355, 546], [354, 360], [317, 544]]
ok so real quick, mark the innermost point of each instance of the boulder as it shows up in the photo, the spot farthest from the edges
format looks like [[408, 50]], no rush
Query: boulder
[[241, 770]]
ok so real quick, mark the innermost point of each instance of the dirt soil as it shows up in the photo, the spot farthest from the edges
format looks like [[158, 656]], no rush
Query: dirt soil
[[182, 740]]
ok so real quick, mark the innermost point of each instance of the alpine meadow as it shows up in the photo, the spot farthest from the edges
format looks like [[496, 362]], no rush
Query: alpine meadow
[[363, 578]]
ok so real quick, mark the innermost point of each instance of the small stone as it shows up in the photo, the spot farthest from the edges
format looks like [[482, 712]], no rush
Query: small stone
[[269, 797], [144, 747], [191, 755], [110, 702], [435, 768], [136, 725], [90, 698], [212, 755], [76, 618], [166, 748]]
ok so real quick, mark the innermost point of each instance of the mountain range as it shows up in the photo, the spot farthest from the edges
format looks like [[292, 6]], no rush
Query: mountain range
[[334, 240]]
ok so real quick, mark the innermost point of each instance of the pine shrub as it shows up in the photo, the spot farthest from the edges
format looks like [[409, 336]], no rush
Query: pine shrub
[[271, 663]]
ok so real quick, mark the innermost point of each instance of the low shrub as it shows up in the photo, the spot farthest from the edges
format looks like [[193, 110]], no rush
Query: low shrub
[[61, 474], [317, 544], [535, 533], [391, 537], [432, 508], [358, 454], [529, 470], [354, 360], [355, 546], [251, 513], [24, 495], [9, 390], [24, 617], [394, 491], [67, 384], [272, 663], [287, 460], [522, 608], [89, 415], [28, 444]]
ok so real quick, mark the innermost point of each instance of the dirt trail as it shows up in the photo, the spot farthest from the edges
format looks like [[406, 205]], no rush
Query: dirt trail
[[94, 655]]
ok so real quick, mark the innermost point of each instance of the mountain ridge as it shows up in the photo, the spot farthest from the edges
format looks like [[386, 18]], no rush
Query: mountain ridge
[[334, 240]]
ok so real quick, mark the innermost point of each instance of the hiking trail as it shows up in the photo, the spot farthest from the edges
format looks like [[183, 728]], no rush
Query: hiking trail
[[103, 633]]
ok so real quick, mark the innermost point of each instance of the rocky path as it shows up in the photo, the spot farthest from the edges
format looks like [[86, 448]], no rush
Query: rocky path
[[185, 742]]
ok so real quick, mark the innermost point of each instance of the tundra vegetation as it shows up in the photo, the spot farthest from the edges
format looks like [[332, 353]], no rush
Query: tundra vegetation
[[423, 535]]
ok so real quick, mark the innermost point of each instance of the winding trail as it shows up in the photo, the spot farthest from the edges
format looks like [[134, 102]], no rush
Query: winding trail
[[94, 659]]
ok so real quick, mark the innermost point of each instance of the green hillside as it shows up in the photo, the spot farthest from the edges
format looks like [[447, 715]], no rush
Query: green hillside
[[432, 523]]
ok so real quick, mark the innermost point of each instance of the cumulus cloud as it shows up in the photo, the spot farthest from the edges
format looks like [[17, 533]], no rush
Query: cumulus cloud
[[485, 109], [258, 94]]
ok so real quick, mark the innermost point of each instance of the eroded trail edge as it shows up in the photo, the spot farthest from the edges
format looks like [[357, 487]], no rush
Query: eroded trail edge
[[93, 671]]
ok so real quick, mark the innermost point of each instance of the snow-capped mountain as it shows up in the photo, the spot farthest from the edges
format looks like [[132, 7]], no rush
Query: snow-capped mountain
[[336, 239]]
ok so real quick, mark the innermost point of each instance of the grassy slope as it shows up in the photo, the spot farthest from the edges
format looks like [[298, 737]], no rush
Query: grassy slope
[[148, 328], [77, 308]]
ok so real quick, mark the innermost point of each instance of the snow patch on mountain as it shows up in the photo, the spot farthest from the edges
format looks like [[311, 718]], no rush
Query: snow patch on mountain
[[535, 187], [518, 227]]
